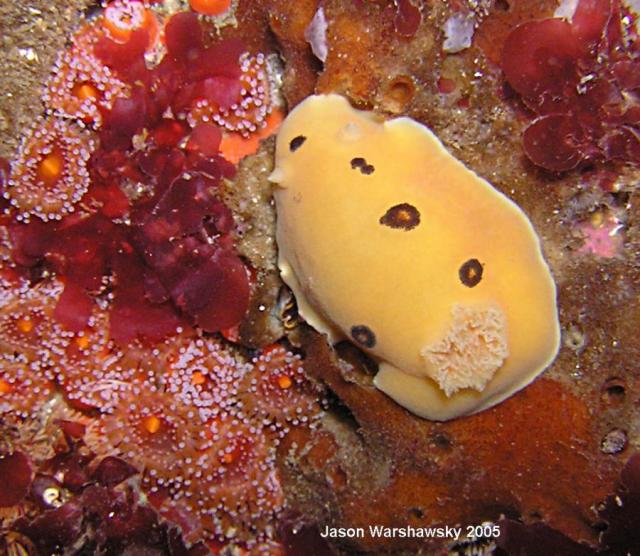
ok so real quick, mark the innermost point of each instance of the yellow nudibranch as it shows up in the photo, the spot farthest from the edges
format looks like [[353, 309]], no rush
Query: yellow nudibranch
[[388, 240]]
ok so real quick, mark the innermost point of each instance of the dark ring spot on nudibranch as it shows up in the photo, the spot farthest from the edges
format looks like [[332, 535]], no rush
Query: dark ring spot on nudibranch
[[403, 216], [361, 164], [363, 335], [296, 143], [471, 273]]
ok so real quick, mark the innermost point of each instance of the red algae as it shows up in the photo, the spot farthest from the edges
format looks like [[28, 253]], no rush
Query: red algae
[[119, 265], [620, 511], [618, 519], [112, 471], [408, 17], [16, 474], [577, 77], [105, 513], [164, 240]]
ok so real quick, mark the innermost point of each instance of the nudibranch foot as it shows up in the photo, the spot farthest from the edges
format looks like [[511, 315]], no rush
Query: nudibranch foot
[[423, 397]]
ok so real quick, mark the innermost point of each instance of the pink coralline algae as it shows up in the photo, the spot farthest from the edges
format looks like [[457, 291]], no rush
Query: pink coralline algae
[[580, 80], [602, 234]]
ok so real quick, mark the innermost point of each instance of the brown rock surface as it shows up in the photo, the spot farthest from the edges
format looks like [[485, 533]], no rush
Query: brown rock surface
[[31, 34]]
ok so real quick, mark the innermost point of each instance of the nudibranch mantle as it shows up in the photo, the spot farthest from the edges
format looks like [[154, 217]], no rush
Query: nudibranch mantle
[[388, 240]]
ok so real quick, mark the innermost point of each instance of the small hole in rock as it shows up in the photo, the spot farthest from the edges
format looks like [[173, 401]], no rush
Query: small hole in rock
[[503, 5], [574, 338], [613, 391], [442, 440], [399, 93]]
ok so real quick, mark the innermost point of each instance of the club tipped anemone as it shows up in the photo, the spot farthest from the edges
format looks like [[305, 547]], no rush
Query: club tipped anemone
[[277, 388], [246, 111], [22, 388], [81, 87], [26, 320], [123, 17], [49, 174], [206, 375]]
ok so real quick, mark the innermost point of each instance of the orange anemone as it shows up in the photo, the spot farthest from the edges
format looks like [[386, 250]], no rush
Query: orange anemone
[[122, 18], [234, 147], [210, 7]]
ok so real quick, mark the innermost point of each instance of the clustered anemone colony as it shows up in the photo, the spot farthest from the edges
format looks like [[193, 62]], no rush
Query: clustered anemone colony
[[123, 400]]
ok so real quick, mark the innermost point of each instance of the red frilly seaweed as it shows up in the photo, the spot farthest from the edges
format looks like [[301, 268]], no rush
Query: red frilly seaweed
[[580, 80], [152, 232], [97, 516], [619, 515], [16, 474], [537, 539], [111, 471]]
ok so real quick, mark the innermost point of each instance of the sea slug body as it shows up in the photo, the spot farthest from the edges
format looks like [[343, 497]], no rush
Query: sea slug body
[[389, 241]]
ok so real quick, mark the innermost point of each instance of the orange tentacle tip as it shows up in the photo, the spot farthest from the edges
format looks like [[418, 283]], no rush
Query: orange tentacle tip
[[228, 458], [84, 91], [210, 7], [197, 378], [82, 342]]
